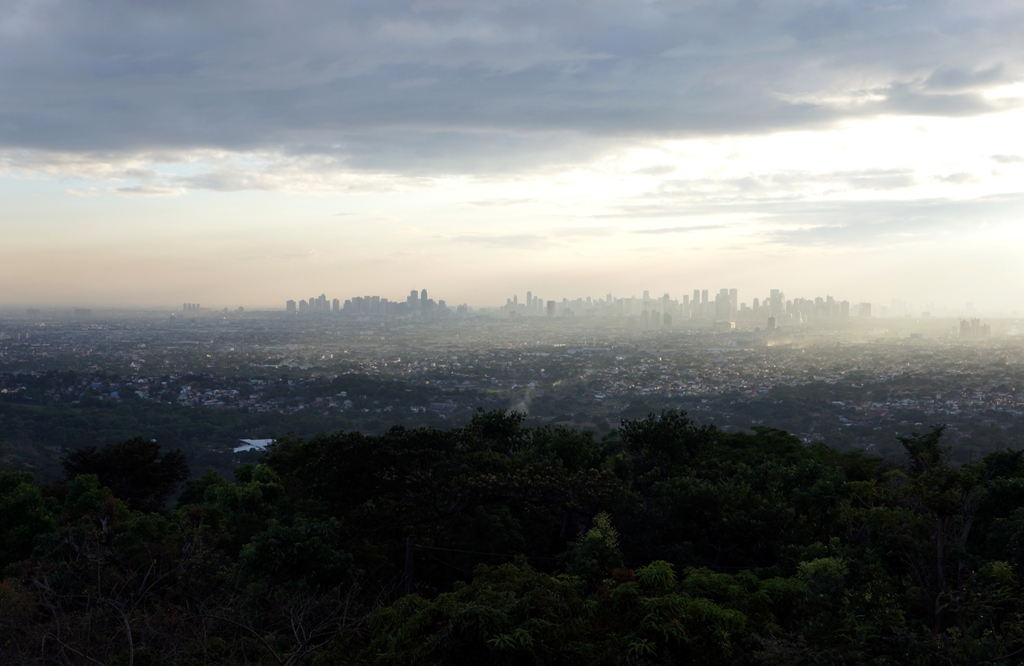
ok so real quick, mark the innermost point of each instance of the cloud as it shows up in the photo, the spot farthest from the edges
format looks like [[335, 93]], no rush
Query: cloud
[[878, 223], [955, 78], [500, 202], [399, 86], [592, 232], [959, 178], [148, 191], [679, 230], [505, 240], [83, 192], [1008, 159], [657, 170]]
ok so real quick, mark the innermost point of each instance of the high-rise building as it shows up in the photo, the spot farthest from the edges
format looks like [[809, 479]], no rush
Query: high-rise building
[[776, 303], [336, 305], [722, 311], [551, 308], [289, 306]]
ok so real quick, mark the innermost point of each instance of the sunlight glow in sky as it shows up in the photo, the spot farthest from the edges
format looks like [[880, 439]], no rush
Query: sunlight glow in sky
[[185, 153]]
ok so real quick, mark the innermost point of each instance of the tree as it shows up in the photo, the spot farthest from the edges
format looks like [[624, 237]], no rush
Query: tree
[[24, 514], [134, 470]]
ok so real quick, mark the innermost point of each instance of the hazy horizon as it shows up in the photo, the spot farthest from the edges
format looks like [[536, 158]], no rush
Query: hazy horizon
[[240, 154]]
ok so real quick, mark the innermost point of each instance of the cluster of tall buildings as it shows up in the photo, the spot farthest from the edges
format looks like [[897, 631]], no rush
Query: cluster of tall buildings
[[973, 328], [314, 304], [416, 304], [723, 306]]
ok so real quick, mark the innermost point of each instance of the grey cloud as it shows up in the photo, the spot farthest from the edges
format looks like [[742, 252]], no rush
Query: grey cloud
[[1008, 159], [148, 191], [952, 78], [139, 174], [422, 87], [905, 98], [961, 178], [220, 182]]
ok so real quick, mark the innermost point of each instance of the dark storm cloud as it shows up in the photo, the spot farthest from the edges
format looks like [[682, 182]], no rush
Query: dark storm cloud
[[436, 86]]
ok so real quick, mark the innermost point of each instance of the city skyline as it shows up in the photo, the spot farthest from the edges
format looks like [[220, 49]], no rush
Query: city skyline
[[879, 307]]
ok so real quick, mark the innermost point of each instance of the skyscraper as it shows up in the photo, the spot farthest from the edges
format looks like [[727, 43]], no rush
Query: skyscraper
[[722, 306]]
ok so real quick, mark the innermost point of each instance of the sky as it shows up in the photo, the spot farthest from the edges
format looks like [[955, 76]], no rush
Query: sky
[[244, 153]]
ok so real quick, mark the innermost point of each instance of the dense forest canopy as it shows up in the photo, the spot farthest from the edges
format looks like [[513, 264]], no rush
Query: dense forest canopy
[[662, 542]]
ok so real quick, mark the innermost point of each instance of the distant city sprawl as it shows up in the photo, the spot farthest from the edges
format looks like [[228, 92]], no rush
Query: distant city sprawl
[[203, 379]]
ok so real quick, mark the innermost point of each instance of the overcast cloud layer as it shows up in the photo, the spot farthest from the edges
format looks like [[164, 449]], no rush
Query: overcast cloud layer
[[457, 86], [502, 126]]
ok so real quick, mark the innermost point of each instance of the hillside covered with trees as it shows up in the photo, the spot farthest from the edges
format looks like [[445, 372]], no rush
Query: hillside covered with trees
[[662, 542]]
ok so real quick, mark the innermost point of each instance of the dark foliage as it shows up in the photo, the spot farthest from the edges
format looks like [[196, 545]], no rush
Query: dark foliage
[[134, 470], [663, 542]]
